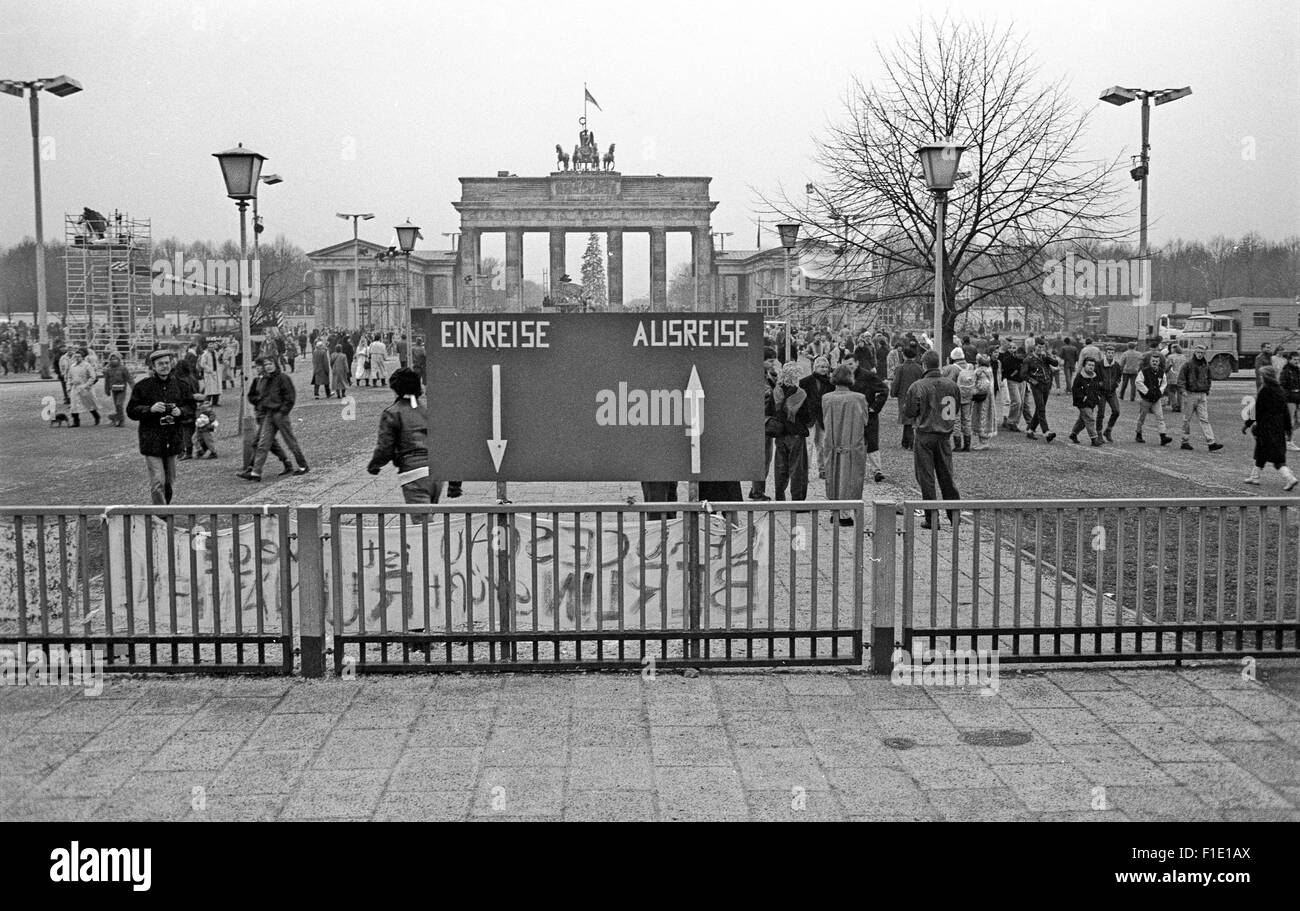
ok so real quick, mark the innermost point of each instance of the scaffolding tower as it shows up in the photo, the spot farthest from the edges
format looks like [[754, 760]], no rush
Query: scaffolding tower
[[384, 306], [110, 303]]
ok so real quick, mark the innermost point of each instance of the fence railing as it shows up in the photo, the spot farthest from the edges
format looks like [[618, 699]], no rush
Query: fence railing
[[1089, 580], [595, 585], [549, 586], [151, 588]]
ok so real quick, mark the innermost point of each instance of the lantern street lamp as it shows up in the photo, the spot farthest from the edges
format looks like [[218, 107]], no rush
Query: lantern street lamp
[[789, 232], [242, 169], [939, 162], [61, 87], [407, 235], [1118, 95]]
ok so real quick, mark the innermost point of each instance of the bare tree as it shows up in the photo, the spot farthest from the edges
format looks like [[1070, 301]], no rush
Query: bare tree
[[1025, 186]]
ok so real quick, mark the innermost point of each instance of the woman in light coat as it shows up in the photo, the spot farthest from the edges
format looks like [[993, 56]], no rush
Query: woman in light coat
[[361, 362], [81, 388], [846, 415], [379, 361], [209, 370]]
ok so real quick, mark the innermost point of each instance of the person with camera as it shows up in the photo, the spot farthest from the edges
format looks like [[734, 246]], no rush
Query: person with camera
[[159, 402]]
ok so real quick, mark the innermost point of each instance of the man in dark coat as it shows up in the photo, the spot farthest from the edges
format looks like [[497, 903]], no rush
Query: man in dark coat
[[1272, 428], [907, 373], [159, 402], [867, 382], [273, 396]]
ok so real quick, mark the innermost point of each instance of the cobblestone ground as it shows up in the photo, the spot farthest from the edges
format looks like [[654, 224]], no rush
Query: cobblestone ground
[[1141, 744]]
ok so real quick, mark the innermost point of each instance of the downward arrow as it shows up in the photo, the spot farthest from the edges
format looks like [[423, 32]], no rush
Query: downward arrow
[[496, 445]]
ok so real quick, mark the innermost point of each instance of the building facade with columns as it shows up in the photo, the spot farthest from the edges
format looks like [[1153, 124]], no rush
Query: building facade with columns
[[341, 297]]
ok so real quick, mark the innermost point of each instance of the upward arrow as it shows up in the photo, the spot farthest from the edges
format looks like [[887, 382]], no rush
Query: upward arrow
[[695, 422], [496, 445]]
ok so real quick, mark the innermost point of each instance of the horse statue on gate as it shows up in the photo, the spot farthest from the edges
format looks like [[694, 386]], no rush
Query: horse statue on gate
[[608, 160], [561, 158]]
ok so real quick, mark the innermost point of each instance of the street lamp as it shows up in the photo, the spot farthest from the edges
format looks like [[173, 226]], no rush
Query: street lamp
[[60, 86], [356, 257], [789, 231], [1118, 95], [939, 162], [241, 170], [270, 180], [407, 235]]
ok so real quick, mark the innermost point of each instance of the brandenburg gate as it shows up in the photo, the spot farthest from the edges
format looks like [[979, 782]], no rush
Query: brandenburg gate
[[585, 198]]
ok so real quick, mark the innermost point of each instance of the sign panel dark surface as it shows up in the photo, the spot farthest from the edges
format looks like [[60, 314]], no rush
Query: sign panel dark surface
[[595, 397]]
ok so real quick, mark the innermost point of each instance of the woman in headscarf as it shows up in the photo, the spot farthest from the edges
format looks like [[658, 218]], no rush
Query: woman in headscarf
[[846, 415], [339, 377], [320, 369]]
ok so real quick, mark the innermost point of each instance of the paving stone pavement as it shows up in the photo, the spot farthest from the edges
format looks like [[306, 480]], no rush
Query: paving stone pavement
[[1196, 743]]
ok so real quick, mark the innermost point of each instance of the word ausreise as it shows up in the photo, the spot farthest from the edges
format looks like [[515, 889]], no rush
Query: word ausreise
[[690, 333]]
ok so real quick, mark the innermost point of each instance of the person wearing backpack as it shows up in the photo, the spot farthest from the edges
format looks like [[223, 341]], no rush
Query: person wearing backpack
[[982, 403], [963, 374]]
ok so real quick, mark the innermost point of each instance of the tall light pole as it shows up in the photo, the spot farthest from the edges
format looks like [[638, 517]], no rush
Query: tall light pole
[[242, 170], [407, 235], [356, 257], [59, 86], [789, 237], [1118, 95], [939, 162]]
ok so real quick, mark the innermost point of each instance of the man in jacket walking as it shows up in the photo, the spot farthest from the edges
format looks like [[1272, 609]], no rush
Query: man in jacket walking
[[1151, 385], [1037, 374], [1196, 382], [1111, 373], [1130, 364], [159, 402], [1010, 360], [932, 407], [272, 396], [1087, 393]]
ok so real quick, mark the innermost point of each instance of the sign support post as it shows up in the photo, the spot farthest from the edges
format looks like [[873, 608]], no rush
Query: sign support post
[[693, 564], [505, 580]]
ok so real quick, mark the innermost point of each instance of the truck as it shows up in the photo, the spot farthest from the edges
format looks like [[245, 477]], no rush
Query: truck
[[1233, 328], [1121, 319], [1173, 315]]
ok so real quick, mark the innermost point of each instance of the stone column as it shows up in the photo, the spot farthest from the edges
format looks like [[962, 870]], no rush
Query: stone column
[[614, 268], [514, 270], [464, 297], [702, 258], [658, 268], [557, 259]]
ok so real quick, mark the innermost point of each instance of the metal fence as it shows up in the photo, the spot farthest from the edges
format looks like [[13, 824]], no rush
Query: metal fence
[[1089, 580], [149, 588], [595, 586]]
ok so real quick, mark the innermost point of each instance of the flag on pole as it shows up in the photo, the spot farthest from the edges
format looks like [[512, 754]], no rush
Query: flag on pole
[[591, 99]]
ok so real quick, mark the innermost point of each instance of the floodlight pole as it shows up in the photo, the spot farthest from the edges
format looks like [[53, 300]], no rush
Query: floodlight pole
[[1145, 270]]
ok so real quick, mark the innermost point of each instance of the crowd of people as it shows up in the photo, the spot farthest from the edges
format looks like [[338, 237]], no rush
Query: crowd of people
[[989, 384]]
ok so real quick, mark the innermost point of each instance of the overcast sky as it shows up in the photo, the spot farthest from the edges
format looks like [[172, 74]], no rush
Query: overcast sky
[[381, 105]]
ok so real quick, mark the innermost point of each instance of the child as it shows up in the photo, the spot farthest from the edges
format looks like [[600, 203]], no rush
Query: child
[[205, 426]]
